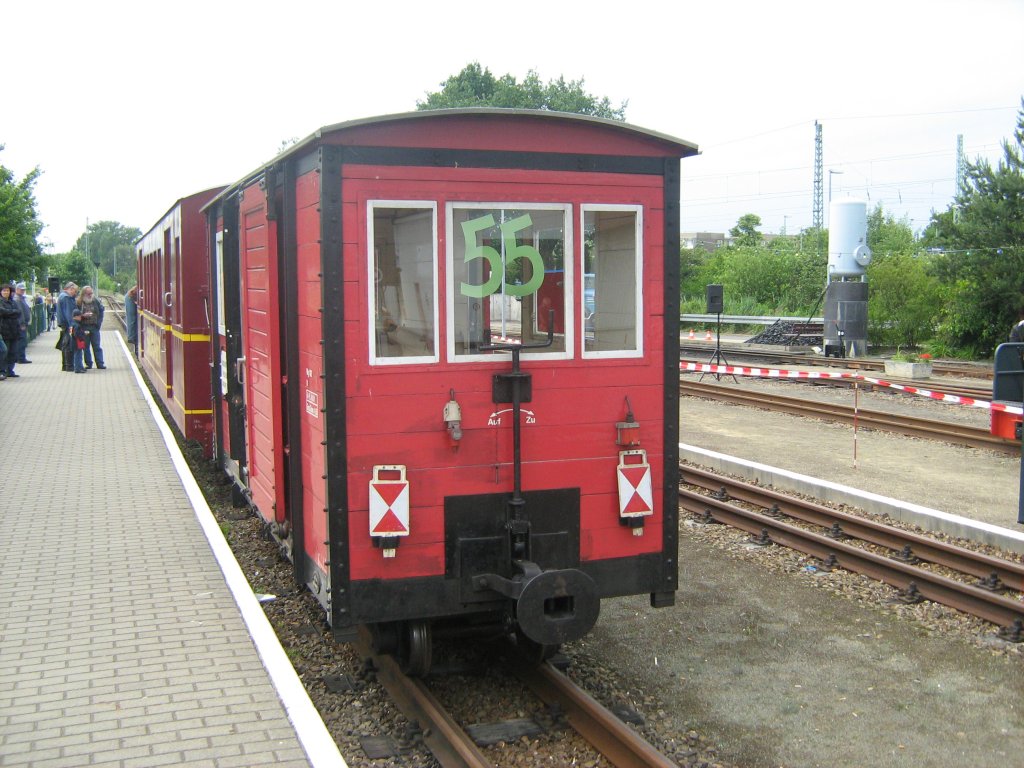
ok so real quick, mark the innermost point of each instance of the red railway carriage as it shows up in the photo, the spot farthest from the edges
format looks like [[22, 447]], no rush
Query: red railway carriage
[[174, 314], [448, 368]]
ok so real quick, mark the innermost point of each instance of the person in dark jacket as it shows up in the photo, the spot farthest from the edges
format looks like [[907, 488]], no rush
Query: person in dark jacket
[[10, 323], [65, 308], [26, 320], [92, 319], [131, 317]]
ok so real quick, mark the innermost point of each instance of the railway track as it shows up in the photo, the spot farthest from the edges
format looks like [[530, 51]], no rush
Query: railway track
[[454, 747], [913, 426], [940, 368], [918, 566], [116, 306]]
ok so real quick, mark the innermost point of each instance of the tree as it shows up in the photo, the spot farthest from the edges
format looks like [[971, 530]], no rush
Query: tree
[[904, 299], [980, 245], [904, 295], [73, 266], [745, 232], [110, 244], [20, 252], [886, 235], [475, 86], [779, 278]]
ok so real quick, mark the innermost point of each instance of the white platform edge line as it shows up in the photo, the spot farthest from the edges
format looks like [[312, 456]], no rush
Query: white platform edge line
[[910, 506], [321, 749]]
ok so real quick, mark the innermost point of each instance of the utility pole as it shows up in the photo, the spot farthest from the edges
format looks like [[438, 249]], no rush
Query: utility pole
[[961, 164], [818, 217], [961, 176]]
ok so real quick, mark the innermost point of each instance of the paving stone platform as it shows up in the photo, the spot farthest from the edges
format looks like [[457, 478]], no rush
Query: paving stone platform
[[120, 641]]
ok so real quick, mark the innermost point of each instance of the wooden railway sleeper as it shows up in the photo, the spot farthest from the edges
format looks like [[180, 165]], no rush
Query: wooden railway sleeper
[[992, 583], [764, 540], [906, 555], [830, 563], [836, 532], [910, 595], [1012, 633]]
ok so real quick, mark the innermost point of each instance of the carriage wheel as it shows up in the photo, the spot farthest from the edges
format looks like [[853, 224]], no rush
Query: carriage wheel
[[418, 649]]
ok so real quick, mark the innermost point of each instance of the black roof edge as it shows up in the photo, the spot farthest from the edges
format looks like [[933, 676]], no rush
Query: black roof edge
[[688, 149], [174, 205]]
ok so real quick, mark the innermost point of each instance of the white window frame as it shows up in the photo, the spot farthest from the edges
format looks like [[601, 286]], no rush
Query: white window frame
[[568, 290], [219, 256], [371, 294], [638, 287]]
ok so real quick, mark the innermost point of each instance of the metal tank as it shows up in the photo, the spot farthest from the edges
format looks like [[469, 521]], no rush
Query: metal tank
[[846, 292], [848, 252]]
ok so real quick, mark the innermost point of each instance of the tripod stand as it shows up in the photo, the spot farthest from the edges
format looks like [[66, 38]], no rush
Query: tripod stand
[[718, 358]]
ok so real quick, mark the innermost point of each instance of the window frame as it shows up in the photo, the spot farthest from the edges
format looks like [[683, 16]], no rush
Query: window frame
[[639, 310], [371, 297], [568, 293]]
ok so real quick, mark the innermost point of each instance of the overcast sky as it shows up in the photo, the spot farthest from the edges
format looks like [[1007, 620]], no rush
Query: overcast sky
[[128, 106]]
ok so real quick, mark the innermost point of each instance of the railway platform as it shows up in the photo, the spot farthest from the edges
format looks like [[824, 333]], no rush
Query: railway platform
[[128, 634]]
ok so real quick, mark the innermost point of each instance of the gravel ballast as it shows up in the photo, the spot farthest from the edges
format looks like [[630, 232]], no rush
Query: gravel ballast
[[765, 660]]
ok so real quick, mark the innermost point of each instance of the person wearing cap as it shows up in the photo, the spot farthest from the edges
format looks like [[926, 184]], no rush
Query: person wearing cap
[[26, 320], [10, 319], [92, 319], [65, 309]]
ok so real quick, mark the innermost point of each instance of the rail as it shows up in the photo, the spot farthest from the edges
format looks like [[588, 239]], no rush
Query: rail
[[454, 748], [902, 570], [913, 426], [117, 307], [939, 367], [602, 729]]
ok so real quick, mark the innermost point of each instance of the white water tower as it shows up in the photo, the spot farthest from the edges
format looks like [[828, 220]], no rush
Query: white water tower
[[846, 292]]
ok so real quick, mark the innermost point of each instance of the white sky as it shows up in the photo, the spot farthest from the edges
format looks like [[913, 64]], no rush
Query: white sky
[[127, 106]]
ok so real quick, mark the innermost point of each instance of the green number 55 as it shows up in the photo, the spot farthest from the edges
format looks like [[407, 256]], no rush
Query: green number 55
[[497, 268]]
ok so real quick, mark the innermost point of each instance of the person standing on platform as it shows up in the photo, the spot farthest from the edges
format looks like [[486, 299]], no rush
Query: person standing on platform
[[26, 320], [10, 324], [51, 312], [65, 310], [78, 341], [131, 317], [92, 319]]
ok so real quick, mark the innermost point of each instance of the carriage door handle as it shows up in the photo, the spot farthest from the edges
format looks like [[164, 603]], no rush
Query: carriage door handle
[[240, 370]]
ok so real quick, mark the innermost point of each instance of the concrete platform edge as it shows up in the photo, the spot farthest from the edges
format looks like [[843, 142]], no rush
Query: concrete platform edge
[[925, 517], [318, 744]]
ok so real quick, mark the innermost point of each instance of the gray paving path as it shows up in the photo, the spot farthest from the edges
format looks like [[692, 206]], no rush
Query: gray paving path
[[120, 644]]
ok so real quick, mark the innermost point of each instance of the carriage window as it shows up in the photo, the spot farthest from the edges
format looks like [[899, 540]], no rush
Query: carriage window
[[612, 281], [509, 277], [403, 293]]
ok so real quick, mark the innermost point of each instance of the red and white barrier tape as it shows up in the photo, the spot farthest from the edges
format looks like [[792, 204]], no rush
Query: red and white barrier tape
[[778, 373]]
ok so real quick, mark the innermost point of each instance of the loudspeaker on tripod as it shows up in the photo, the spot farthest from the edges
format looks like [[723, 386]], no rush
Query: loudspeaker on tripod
[[716, 302]]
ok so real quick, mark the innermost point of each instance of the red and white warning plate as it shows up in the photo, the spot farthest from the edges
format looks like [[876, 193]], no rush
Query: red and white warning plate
[[636, 498], [389, 501]]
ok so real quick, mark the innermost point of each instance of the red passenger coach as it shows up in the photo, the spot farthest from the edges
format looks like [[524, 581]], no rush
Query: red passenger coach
[[175, 314], [448, 373]]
